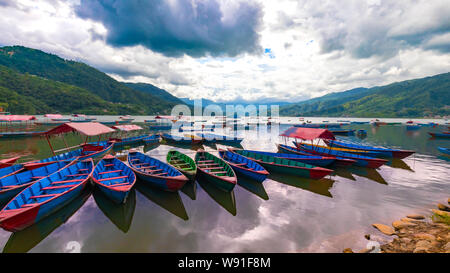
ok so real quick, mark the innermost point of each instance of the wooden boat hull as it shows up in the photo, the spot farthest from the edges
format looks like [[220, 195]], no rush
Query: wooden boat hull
[[290, 154], [383, 152], [440, 135], [174, 182], [8, 162], [252, 170], [190, 171], [14, 217], [114, 179], [280, 165], [444, 150], [225, 182], [11, 170], [338, 161], [182, 140], [14, 184], [363, 161], [153, 139]]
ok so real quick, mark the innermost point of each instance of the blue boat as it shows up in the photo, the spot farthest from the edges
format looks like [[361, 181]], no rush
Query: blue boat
[[384, 152], [363, 161], [208, 137], [46, 196], [114, 178], [118, 142], [155, 172], [160, 126], [440, 135], [7, 171], [308, 159], [186, 140], [153, 139], [445, 151], [89, 150], [244, 166], [359, 122], [412, 127], [339, 161], [11, 185]]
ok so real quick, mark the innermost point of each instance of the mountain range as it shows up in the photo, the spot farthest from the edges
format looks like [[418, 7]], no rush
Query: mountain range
[[35, 82]]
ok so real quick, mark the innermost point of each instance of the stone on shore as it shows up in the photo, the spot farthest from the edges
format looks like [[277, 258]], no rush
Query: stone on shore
[[367, 236], [424, 236], [441, 213], [384, 229], [443, 207], [416, 216], [402, 224], [422, 246], [348, 250]]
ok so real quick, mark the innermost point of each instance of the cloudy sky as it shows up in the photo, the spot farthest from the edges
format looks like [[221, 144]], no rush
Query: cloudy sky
[[243, 49]]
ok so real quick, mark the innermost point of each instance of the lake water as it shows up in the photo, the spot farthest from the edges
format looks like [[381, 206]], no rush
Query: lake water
[[284, 214]]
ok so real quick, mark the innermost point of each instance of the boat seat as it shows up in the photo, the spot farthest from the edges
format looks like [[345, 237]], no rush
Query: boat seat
[[213, 168], [67, 181], [77, 174], [147, 167], [240, 164], [160, 174], [44, 195], [203, 161], [134, 159], [115, 171], [217, 172], [119, 184], [158, 170], [37, 177], [112, 178], [81, 170], [108, 165], [141, 164], [28, 205], [57, 187]]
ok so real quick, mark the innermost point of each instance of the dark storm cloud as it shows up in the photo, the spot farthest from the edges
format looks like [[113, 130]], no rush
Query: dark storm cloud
[[195, 28]]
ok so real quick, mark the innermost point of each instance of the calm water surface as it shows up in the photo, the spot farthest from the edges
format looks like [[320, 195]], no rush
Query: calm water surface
[[284, 214]]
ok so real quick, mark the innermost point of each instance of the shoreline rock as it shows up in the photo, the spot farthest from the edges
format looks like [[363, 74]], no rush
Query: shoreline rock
[[415, 234]]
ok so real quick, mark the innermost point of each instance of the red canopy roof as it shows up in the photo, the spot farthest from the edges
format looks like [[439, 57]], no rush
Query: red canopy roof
[[308, 133], [129, 127], [85, 128], [16, 117]]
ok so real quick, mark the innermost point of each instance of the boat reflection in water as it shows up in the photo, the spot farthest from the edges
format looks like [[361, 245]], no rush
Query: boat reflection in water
[[170, 201], [150, 147], [344, 172], [24, 240], [223, 198], [399, 164], [371, 174], [121, 215], [321, 186], [253, 187], [190, 189]]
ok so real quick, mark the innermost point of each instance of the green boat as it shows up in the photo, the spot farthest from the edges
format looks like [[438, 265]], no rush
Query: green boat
[[216, 171], [183, 163], [282, 165]]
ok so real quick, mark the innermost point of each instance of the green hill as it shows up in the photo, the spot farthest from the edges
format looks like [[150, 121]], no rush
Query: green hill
[[428, 96], [155, 91], [30, 94], [52, 67]]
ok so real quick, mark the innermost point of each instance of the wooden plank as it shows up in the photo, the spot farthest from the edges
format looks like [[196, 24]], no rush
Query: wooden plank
[[112, 178]]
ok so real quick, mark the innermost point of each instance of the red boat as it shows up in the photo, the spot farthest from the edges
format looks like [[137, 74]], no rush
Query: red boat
[[8, 162]]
